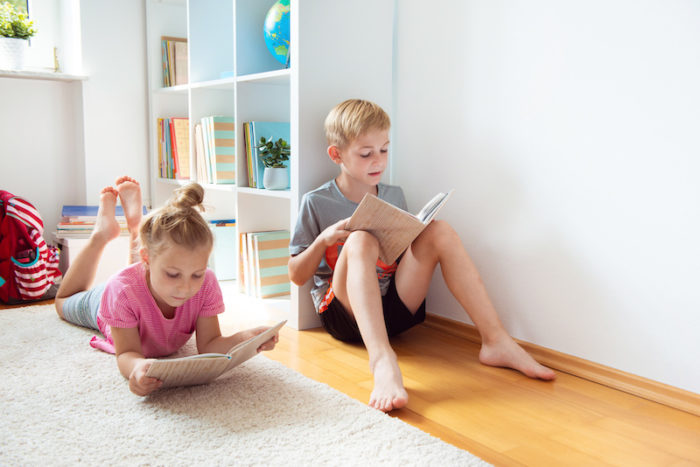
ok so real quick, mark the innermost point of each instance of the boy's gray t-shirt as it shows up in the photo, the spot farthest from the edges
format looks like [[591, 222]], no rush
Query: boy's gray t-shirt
[[323, 207]]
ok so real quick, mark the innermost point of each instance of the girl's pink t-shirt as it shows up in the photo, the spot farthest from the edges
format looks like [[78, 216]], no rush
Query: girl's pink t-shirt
[[127, 303]]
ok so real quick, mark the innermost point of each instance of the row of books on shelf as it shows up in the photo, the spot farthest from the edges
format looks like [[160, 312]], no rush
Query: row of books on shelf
[[78, 221], [263, 258], [214, 148], [175, 60]]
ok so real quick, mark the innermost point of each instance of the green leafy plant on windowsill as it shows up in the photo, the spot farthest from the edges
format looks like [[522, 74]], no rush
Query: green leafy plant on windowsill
[[274, 154], [14, 23]]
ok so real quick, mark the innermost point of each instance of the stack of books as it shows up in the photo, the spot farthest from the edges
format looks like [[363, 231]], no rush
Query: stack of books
[[252, 131], [263, 258], [78, 221], [215, 150]]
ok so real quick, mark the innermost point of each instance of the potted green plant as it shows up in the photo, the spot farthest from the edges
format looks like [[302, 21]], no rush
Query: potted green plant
[[15, 30], [274, 155]]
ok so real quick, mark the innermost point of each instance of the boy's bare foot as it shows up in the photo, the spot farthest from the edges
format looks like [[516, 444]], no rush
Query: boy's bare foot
[[388, 393], [106, 225], [130, 196], [505, 352]]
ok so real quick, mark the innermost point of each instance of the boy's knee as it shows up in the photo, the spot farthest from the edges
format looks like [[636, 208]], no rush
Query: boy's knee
[[360, 241], [441, 232]]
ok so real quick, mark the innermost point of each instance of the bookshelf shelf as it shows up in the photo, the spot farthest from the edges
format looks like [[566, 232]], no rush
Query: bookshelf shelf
[[326, 62], [286, 194], [279, 77]]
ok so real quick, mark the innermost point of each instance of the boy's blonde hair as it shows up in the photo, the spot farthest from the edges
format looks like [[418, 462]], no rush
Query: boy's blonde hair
[[351, 118], [177, 222]]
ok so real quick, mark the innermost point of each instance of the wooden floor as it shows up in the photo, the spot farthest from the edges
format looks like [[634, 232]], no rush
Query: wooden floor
[[496, 414], [500, 415]]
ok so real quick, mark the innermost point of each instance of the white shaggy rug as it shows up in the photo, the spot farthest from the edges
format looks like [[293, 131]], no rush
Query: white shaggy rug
[[64, 403]]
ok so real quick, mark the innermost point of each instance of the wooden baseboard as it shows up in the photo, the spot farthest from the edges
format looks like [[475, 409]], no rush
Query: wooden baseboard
[[601, 374]]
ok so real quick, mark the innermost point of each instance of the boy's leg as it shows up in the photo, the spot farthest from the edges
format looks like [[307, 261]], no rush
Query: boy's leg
[[356, 287], [439, 243], [130, 197], [81, 272]]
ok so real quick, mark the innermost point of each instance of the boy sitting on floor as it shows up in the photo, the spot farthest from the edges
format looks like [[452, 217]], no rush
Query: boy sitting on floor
[[357, 296]]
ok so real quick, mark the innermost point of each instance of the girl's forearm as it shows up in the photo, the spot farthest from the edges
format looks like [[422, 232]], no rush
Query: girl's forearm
[[127, 361]]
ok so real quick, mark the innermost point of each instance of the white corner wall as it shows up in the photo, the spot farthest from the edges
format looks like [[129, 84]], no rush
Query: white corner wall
[[570, 132], [115, 94]]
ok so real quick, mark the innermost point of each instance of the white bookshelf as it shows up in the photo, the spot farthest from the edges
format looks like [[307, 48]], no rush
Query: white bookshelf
[[339, 50]]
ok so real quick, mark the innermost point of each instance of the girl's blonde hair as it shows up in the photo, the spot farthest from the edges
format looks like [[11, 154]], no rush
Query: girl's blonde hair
[[352, 118], [177, 222]]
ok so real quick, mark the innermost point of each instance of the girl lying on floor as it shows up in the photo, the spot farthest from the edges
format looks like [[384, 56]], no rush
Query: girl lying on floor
[[153, 306]]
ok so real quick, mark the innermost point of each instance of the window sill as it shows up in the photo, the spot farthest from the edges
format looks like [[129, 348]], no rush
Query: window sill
[[44, 75]]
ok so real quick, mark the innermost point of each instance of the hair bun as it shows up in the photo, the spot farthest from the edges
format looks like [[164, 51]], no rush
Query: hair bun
[[189, 196]]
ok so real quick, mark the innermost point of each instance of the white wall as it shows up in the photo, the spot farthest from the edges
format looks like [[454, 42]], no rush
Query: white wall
[[570, 132], [116, 102], [41, 144], [45, 153]]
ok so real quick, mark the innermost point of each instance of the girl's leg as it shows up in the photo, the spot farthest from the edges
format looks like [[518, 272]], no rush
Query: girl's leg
[[81, 273], [355, 285], [130, 196], [439, 243]]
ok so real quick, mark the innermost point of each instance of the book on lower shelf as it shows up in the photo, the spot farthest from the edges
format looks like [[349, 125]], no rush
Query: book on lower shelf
[[253, 131], [215, 149], [394, 228], [78, 221], [222, 259], [204, 368], [263, 259]]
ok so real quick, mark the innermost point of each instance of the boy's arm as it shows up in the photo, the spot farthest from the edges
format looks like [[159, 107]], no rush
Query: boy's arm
[[131, 362], [303, 266]]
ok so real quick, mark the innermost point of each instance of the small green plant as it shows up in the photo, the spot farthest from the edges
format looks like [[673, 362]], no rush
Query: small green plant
[[15, 23], [274, 154]]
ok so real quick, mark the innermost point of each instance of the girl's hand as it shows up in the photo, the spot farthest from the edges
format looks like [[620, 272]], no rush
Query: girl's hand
[[139, 383], [267, 345], [335, 233]]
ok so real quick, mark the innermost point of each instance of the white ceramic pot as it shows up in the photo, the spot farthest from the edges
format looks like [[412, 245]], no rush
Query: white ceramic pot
[[12, 53], [276, 178]]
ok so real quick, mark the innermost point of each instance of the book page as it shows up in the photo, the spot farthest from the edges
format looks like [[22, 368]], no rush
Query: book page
[[249, 349], [431, 209]]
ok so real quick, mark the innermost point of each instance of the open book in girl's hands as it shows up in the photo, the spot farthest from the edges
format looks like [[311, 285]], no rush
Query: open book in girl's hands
[[393, 227], [204, 368]]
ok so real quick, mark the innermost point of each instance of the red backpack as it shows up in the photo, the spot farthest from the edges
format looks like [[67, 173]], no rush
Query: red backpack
[[28, 266]]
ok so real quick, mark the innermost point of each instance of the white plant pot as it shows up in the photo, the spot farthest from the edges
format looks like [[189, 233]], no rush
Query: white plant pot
[[276, 178], [12, 53]]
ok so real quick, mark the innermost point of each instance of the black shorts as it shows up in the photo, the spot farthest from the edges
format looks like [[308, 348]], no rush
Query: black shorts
[[397, 318]]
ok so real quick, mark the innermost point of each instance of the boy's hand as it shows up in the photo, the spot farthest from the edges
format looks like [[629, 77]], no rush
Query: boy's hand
[[139, 383], [335, 233]]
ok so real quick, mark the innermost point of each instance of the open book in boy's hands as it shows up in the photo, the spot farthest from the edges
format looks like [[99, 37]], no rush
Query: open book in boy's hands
[[393, 227], [204, 368]]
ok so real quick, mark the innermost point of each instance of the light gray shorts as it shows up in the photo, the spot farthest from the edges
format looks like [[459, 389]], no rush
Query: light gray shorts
[[82, 308]]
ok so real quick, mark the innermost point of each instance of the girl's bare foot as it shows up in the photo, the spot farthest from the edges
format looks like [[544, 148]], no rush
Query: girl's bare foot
[[106, 225], [130, 196], [505, 352], [388, 393]]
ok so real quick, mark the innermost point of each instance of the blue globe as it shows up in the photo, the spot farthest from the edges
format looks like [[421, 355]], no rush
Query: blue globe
[[276, 31]]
